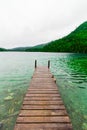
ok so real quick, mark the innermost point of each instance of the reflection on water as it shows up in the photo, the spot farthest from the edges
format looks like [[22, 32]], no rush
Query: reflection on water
[[16, 70]]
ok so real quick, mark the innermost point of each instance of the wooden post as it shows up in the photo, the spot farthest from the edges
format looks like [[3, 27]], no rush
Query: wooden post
[[35, 63], [48, 64]]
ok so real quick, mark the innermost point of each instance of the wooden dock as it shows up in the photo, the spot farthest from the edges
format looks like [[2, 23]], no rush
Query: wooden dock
[[43, 108]]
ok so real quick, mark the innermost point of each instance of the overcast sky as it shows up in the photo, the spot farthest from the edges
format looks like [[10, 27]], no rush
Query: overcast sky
[[32, 22]]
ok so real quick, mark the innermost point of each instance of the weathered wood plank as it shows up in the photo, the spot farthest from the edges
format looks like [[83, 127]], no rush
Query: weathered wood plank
[[43, 103], [50, 119], [43, 85], [46, 90], [43, 113], [42, 99], [43, 95], [43, 107], [42, 126], [42, 91]]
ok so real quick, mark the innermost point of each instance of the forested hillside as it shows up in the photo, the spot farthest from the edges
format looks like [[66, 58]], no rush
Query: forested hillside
[[74, 42], [2, 49]]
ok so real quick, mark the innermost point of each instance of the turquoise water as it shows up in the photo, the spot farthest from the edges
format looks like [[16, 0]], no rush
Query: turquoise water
[[70, 70]]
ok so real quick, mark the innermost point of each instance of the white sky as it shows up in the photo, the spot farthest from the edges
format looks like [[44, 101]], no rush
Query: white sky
[[32, 22]]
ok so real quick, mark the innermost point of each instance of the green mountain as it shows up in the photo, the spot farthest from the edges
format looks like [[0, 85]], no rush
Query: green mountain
[[76, 42], [2, 49], [37, 48], [19, 49]]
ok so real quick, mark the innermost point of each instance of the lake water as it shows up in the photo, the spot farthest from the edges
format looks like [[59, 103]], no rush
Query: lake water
[[16, 70]]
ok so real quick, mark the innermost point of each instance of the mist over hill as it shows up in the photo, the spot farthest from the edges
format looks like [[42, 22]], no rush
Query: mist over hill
[[75, 42]]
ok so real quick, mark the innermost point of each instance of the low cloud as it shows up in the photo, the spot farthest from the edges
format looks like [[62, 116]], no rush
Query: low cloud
[[31, 22]]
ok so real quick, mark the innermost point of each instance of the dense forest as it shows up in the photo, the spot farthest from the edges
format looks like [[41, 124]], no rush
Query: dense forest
[[2, 49], [75, 42]]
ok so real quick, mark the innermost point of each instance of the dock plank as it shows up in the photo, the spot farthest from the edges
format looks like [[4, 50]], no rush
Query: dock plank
[[42, 107], [43, 113], [42, 99], [44, 119], [42, 102], [42, 126]]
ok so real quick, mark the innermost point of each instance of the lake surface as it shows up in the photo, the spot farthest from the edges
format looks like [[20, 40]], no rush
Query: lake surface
[[16, 70]]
